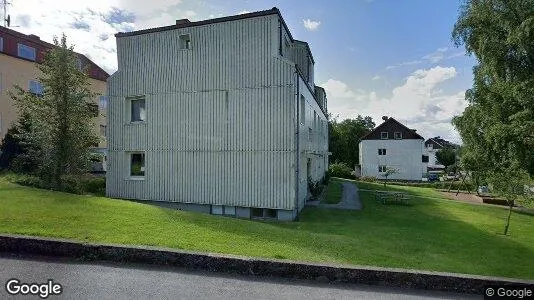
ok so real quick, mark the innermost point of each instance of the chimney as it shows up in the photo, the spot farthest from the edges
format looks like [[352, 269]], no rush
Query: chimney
[[414, 130], [385, 118], [182, 22], [34, 37]]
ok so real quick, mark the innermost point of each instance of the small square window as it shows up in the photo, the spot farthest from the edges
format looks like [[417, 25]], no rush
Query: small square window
[[137, 164], [185, 41], [26, 52], [425, 158], [103, 102], [138, 113], [397, 135], [36, 88], [381, 169], [384, 135], [381, 151]]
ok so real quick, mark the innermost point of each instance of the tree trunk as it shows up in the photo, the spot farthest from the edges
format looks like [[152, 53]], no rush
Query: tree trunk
[[508, 219]]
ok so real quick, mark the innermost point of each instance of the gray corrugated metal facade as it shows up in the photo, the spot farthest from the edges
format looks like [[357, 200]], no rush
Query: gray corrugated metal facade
[[223, 126]]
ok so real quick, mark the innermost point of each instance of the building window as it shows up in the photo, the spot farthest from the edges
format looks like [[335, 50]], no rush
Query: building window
[[185, 42], [384, 135], [302, 110], [1, 44], [137, 110], [381, 169], [257, 212], [26, 52], [270, 213], [397, 135], [36, 88], [425, 158], [103, 130], [103, 102], [93, 109], [381, 151], [137, 164]]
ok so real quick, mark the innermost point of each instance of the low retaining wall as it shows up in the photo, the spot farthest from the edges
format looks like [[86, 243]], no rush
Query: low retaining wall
[[252, 266]]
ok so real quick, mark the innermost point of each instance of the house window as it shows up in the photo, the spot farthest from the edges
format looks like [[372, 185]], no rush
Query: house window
[[185, 42], [93, 109], [302, 110], [103, 130], [36, 88], [425, 158], [1, 44], [381, 151], [137, 164], [103, 102], [384, 135], [270, 213], [397, 135], [137, 110], [26, 52], [381, 169]]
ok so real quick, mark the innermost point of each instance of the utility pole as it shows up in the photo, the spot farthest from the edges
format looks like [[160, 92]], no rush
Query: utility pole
[[7, 18]]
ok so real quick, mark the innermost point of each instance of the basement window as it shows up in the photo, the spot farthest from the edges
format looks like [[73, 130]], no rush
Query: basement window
[[270, 213], [185, 42], [384, 135], [257, 212], [137, 164]]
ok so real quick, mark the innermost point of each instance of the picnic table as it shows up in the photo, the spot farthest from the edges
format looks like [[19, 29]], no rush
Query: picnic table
[[392, 197]]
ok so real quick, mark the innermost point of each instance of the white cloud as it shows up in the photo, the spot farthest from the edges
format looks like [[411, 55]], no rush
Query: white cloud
[[311, 25], [419, 102], [435, 57], [243, 12], [377, 77]]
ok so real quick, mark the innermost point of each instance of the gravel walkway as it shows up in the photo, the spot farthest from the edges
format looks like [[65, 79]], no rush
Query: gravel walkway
[[350, 199]]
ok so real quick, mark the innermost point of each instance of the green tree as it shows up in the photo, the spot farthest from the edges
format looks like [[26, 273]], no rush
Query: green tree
[[61, 127], [497, 127], [16, 154], [345, 136], [446, 156]]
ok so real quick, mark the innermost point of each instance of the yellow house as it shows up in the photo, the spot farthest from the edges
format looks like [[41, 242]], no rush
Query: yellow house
[[19, 54]]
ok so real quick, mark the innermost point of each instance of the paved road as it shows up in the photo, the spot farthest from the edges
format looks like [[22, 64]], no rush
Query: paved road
[[115, 281]]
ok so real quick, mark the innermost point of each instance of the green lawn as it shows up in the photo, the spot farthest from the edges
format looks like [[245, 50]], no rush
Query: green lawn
[[334, 191], [431, 234]]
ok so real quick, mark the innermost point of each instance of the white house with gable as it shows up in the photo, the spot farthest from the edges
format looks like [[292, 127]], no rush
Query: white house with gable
[[392, 145], [220, 116]]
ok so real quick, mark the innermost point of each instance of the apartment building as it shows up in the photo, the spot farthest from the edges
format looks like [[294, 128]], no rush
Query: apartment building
[[220, 116], [19, 54]]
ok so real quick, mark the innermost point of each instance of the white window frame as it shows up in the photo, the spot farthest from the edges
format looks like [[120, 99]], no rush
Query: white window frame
[[382, 167], [129, 106], [382, 151], [129, 165], [29, 48], [386, 135], [399, 137]]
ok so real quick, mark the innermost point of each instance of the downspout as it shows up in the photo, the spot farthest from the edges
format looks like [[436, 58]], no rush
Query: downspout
[[297, 142]]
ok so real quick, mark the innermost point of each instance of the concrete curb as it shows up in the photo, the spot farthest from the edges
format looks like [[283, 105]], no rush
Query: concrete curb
[[449, 282]]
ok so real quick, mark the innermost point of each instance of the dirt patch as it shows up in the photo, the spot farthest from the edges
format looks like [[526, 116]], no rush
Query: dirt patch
[[464, 197]]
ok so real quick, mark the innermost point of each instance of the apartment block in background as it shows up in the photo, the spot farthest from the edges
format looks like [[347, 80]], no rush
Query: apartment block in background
[[19, 54]]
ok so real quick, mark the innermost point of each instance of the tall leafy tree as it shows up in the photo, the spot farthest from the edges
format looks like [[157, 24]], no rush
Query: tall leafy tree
[[344, 137], [61, 118], [15, 153], [497, 127]]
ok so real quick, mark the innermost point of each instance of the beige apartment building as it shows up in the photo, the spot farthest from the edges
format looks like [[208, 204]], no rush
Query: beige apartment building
[[19, 54]]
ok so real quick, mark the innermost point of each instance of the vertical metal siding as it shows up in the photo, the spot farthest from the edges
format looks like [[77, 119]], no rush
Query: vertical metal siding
[[220, 116]]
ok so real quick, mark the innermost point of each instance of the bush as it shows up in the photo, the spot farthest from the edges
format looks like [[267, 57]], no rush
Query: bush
[[340, 170], [95, 185], [368, 179], [28, 180], [326, 178]]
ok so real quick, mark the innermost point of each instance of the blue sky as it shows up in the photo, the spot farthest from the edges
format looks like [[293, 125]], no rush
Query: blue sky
[[374, 57]]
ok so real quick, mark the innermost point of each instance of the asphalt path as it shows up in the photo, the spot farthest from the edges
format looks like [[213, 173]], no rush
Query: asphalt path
[[81, 280]]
